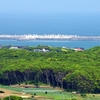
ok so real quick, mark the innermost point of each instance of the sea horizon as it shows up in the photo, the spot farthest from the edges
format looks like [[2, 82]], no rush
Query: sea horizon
[[67, 24]]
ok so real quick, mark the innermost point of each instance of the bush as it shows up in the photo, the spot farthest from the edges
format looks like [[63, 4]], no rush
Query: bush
[[34, 93], [13, 98], [83, 95], [46, 92], [73, 99], [2, 92]]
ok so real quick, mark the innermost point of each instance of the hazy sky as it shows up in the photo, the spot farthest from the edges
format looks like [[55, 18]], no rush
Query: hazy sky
[[50, 6]]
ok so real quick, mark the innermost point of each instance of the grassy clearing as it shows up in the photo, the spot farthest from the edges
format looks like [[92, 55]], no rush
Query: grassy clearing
[[51, 93]]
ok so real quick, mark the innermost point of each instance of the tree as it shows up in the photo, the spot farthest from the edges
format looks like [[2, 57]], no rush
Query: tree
[[80, 81]]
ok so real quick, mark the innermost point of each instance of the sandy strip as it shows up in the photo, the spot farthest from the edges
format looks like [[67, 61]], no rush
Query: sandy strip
[[10, 92]]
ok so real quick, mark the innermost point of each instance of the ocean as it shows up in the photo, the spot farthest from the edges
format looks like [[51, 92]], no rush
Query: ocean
[[67, 44], [69, 24]]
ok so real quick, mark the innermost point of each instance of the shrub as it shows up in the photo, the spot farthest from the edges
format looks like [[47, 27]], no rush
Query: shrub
[[83, 95], [34, 93], [13, 98], [2, 92], [46, 92], [73, 99]]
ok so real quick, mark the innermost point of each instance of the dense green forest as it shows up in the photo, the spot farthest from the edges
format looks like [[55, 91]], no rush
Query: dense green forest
[[62, 67]]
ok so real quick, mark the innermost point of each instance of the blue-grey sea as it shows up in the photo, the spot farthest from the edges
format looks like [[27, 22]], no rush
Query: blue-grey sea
[[69, 24], [68, 44]]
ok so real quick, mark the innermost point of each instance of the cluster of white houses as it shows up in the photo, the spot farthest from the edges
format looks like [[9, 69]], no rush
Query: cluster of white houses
[[46, 50], [42, 50]]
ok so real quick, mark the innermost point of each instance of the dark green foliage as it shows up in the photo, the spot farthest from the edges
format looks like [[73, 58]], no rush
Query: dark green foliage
[[46, 92], [73, 99], [2, 92], [13, 98], [83, 95], [34, 93], [78, 71]]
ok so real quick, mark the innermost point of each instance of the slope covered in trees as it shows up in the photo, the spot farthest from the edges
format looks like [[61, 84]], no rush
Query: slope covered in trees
[[66, 68]]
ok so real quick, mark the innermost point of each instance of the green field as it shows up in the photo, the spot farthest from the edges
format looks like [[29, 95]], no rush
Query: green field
[[52, 94]]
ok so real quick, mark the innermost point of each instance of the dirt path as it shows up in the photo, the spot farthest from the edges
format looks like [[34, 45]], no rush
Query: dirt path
[[10, 92]]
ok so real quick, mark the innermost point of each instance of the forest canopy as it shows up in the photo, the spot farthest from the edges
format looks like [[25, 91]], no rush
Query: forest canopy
[[63, 67]]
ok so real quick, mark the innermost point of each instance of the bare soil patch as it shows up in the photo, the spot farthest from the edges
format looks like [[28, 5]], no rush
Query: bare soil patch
[[10, 92], [30, 86]]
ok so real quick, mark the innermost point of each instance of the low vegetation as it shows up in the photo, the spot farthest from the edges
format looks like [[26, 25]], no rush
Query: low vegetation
[[13, 98]]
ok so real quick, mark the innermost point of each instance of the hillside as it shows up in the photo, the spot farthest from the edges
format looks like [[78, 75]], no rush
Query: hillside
[[66, 68]]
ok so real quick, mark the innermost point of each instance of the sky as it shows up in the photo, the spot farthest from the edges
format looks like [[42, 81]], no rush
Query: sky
[[49, 16], [50, 6]]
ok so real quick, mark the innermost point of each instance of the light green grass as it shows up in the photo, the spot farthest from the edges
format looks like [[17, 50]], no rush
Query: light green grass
[[52, 93]]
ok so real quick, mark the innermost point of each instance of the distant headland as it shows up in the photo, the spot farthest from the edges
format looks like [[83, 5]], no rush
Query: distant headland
[[49, 37]]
